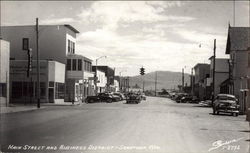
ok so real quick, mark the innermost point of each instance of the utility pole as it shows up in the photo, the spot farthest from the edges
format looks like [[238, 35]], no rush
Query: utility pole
[[182, 80], [213, 95], [192, 82], [38, 65], [155, 83]]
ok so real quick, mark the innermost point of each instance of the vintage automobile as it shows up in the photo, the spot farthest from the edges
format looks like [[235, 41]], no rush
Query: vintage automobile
[[133, 98], [120, 95], [101, 97], [226, 103], [186, 99]]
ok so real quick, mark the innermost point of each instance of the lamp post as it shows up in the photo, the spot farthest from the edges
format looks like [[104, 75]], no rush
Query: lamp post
[[95, 78]]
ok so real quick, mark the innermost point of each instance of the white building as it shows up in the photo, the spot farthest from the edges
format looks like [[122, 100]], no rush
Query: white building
[[116, 86], [4, 72], [101, 81]]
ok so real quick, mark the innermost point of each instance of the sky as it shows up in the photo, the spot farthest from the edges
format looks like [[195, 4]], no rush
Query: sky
[[158, 35]]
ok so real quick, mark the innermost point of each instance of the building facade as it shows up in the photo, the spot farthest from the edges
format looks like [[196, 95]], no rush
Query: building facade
[[79, 82], [56, 43], [201, 90], [221, 73], [4, 72], [109, 73], [23, 88], [238, 47], [101, 81]]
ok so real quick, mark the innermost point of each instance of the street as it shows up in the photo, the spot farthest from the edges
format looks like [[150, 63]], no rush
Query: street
[[154, 125]]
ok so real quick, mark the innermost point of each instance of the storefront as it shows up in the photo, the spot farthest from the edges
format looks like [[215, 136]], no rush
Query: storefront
[[23, 88]]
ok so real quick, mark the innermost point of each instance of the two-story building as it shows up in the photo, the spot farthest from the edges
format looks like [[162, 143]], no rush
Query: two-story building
[[79, 82], [201, 88], [238, 47], [56, 43], [4, 72], [221, 73]]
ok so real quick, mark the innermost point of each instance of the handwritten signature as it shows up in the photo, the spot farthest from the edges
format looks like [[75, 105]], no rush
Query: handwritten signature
[[220, 143]]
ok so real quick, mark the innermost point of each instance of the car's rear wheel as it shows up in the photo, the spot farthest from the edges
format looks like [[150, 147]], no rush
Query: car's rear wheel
[[91, 101], [235, 114]]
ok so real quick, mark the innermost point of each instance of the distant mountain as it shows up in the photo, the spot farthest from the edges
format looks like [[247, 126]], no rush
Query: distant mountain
[[165, 79]]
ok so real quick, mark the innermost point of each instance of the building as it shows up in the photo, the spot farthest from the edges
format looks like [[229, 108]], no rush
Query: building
[[201, 88], [221, 74], [101, 81], [56, 43], [238, 47], [4, 72], [23, 88], [110, 74], [116, 85], [124, 84], [79, 78]]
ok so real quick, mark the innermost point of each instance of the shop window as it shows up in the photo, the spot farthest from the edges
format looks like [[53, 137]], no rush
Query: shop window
[[68, 64], [74, 65], [59, 91], [3, 90], [42, 89], [51, 84], [79, 64], [16, 90]]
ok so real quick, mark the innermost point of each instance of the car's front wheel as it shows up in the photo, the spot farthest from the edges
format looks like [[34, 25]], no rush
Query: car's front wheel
[[109, 100]]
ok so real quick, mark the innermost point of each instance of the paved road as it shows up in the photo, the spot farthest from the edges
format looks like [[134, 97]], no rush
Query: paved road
[[157, 125]]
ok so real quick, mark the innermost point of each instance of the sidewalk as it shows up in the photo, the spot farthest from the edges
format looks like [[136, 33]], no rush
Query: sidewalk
[[13, 108]]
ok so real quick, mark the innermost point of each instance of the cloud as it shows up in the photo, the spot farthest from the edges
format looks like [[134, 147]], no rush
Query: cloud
[[50, 21], [111, 13]]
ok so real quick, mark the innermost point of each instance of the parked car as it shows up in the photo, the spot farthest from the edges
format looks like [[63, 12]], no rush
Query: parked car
[[122, 97], [207, 103], [195, 100], [186, 99], [178, 97], [226, 103], [133, 98], [101, 97]]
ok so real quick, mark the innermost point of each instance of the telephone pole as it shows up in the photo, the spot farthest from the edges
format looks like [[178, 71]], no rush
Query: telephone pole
[[38, 65], [213, 95], [155, 83], [182, 80]]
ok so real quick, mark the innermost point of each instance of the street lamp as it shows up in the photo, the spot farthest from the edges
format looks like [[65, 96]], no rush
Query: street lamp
[[95, 78]]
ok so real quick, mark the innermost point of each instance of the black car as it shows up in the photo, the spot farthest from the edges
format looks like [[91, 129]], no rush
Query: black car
[[186, 99], [101, 97], [133, 98], [226, 103]]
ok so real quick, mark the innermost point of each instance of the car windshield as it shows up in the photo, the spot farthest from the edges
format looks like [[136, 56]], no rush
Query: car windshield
[[226, 98]]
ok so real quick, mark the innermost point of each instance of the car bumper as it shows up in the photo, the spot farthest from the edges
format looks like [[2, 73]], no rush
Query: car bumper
[[228, 110]]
